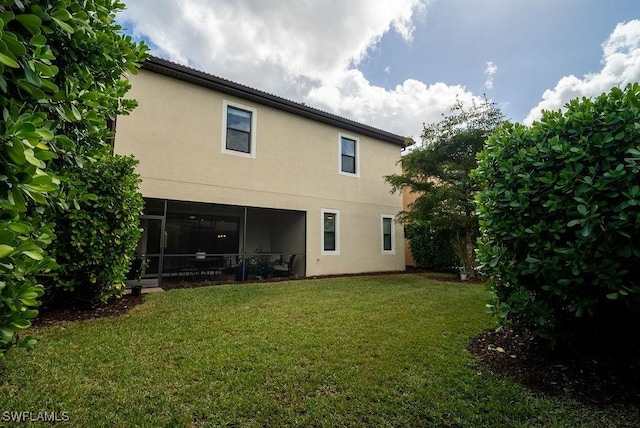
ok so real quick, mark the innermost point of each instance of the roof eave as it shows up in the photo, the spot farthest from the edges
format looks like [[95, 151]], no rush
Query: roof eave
[[187, 74]]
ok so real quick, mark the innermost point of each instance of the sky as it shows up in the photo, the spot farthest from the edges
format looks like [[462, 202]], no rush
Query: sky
[[398, 64]]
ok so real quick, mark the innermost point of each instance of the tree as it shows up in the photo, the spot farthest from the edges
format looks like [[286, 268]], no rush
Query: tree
[[439, 170], [559, 213], [61, 68]]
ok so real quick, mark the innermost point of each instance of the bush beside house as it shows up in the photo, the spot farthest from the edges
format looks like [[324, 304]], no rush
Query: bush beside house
[[559, 213]]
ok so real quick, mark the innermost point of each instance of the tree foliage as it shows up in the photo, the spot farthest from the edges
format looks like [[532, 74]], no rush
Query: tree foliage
[[560, 218], [61, 67], [439, 170]]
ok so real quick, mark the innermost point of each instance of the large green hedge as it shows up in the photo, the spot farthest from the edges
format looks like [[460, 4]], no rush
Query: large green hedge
[[61, 68], [559, 215]]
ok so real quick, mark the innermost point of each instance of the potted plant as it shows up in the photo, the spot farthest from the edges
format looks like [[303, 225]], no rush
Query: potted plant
[[241, 270], [463, 273], [460, 250], [263, 262]]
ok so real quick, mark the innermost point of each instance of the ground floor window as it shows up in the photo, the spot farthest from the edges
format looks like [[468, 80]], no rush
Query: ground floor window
[[330, 232], [388, 235]]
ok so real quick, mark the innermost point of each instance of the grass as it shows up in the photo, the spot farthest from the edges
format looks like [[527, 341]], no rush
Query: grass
[[359, 351]]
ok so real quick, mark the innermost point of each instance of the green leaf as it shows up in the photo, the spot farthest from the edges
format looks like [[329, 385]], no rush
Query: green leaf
[[582, 210], [33, 254], [29, 156], [66, 27], [65, 142], [8, 61], [46, 70], [15, 150], [5, 250], [21, 324], [31, 22], [38, 40], [19, 228], [36, 196], [6, 333], [44, 155], [76, 112], [18, 199], [42, 183], [6, 236], [30, 342], [61, 14], [7, 16], [29, 295], [16, 47], [31, 75], [612, 296]]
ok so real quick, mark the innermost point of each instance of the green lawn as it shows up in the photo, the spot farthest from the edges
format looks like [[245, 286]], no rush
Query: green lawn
[[359, 351]]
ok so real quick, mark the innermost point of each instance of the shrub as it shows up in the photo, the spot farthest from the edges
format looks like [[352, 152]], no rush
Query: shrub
[[96, 238], [431, 246], [559, 214]]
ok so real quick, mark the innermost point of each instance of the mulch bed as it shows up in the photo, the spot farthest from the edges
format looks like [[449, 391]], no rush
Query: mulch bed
[[608, 378], [117, 307]]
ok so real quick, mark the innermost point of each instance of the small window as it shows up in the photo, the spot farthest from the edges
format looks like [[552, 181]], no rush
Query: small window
[[388, 234], [238, 131], [330, 232], [349, 153]]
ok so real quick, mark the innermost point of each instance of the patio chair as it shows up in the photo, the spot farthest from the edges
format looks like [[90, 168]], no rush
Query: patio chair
[[282, 268]]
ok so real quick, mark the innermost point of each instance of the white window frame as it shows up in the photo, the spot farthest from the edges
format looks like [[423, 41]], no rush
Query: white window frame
[[393, 233], [253, 132], [357, 153], [335, 252]]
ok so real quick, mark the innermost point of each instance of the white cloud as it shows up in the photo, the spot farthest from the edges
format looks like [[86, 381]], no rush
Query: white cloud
[[490, 71], [620, 65], [303, 50], [405, 108]]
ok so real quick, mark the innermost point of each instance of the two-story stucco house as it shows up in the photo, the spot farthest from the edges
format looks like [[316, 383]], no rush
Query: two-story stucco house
[[228, 170]]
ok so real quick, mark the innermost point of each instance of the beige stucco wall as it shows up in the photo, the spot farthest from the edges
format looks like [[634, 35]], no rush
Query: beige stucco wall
[[408, 197], [176, 134]]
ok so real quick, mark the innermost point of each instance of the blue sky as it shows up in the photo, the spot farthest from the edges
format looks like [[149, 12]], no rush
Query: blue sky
[[396, 65], [532, 43]]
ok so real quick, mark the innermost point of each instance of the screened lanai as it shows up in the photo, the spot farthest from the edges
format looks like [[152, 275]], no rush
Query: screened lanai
[[192, 241]]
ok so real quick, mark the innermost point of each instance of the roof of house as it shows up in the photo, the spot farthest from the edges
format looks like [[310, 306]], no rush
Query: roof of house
[[191, 75]]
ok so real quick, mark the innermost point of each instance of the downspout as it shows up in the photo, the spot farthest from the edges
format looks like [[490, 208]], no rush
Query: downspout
[[163, 228], [244, 242]]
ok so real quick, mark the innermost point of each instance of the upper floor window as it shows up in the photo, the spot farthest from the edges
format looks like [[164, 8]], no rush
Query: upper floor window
[[349, 156], [239, 129], [388, 234]]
